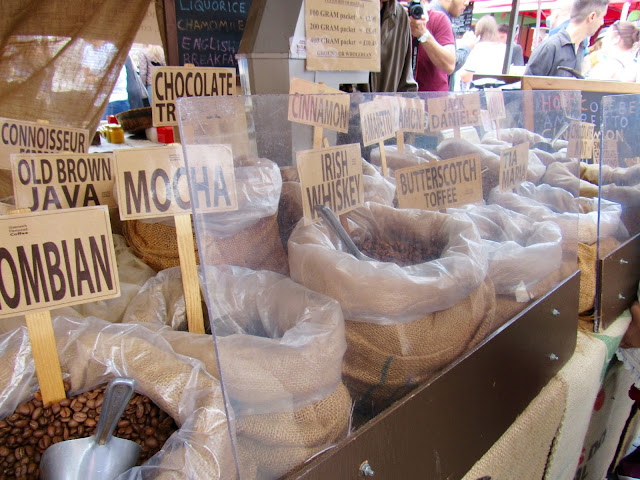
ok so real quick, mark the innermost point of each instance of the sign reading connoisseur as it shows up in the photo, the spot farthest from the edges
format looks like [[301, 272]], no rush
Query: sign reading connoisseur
[[31, 137], [314, 104], [332, 177], [55, 259], [436, 185], [171, 83], [152, 182], [342, 35], [54, 181], [454, 111]]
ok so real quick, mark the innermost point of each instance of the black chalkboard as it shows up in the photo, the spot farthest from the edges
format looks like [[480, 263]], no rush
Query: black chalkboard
[[207, 32], [462, 23]]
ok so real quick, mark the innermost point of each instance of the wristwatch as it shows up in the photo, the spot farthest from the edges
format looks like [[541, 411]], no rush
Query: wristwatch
[[424, 37]]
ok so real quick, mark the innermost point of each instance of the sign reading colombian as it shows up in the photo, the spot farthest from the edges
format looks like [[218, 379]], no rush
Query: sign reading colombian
[[171, 83], [56, 258], [152, 182], [31, 137], [342, 34]]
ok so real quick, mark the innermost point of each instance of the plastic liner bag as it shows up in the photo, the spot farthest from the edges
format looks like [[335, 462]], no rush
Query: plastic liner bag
[[403, 323], [396, 160], [377, 189], [561, 174], [246, 237], [93, 351], [578, 221], [524, 256], [281, 348], [516, 136]]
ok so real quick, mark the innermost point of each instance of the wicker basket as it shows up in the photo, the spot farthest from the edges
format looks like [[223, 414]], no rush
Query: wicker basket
[[136, 120]]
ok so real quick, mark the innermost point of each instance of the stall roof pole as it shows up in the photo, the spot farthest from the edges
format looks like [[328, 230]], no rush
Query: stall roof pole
[[513, 21], [536, 34]]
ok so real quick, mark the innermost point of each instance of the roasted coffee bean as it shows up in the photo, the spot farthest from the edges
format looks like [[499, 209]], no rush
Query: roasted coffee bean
[[55, 408], [37, 413], [79, 417]]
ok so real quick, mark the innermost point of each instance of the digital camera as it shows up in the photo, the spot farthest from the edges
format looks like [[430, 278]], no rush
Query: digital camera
[[416, 10]]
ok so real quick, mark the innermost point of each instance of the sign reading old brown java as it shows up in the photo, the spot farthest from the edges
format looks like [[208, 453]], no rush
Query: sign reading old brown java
[[442, 184], [332, 177], [56, 258], [54, 181], [152, 182]]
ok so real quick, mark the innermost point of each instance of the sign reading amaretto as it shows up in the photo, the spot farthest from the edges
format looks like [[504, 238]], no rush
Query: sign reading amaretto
[[55, 259], [18, 136], [171, 83], [318, 105], [442, 184], [376, 122]]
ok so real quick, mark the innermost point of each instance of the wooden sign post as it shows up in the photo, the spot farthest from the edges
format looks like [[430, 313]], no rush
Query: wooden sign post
[[54, 259], [376, 123], [454, 112], [152, 183]]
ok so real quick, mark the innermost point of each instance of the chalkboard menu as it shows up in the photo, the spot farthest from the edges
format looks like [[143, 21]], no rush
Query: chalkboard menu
[[462, 23], [208, 32]]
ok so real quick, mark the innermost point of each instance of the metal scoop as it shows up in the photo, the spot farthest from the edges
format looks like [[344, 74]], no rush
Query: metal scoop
[[334, 224], [101, 456], [548, 146]]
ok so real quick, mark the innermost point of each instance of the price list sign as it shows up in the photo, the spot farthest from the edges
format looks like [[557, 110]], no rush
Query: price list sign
[[342, 35]]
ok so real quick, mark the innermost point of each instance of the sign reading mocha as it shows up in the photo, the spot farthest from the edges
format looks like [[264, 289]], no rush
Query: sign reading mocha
[[18, 136], [442, 184], [171, 83], [56, 258]]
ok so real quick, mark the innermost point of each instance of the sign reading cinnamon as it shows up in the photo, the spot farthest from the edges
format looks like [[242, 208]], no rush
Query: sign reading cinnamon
[[514, 163], [330, 176], [152, 182], [56, 258], [454, 111], [54, 181], [442, 184], [314, 104], [376, 122]]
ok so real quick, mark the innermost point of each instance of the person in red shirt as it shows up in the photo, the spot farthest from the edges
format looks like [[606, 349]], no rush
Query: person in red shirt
[[436, 51]]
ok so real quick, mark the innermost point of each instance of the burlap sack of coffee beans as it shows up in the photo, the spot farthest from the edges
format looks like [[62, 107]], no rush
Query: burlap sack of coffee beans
[[93, 351], [280, 348], [580, 223], [403, 323], [247, 237]]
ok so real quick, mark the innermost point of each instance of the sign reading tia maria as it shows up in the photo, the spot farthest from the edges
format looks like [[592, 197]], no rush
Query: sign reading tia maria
[[31, 137], [454, 111], [436, 185], [376, 122], [514, 163], [152, 182], [55, 259], [54, 181], [331, 177], [318, 105], [171, 83]]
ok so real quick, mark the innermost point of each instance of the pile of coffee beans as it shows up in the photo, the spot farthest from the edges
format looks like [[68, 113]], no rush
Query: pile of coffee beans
[[34, 426], [403, 253]]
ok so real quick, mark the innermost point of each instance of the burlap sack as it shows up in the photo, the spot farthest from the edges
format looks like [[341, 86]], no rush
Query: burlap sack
[[396, 160], [93, 351], [280, 347], [403, 323], [248, 237]]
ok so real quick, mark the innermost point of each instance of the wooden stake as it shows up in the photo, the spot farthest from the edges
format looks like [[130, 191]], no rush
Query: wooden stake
[[317, 137], [45, 356], [400, 141], [383, 159], [456, 132], [189, 270]]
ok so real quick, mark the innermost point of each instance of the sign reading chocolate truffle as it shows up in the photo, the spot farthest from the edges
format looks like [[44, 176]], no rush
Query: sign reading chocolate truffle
[[332, 177], [314, 104], [56, 258], [514, 163], [54, 181], [152, 182], [436, 185], [580, 140], [454, 111]]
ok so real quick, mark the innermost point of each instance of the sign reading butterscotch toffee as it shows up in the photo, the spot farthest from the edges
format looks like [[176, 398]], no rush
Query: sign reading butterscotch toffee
[[171, 83], [436, 185], [454, 111], [514, 163], [342, 35], [318, 105], [376, 122], [56, 259], [18, 136], [580, 140], [54, 181], [152, 182], [332, 177]]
